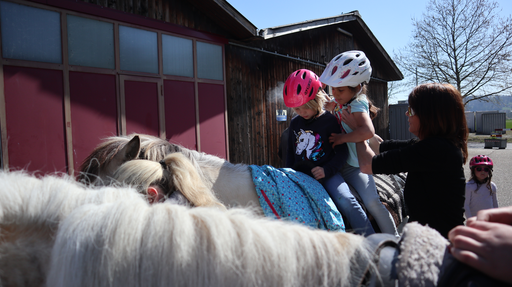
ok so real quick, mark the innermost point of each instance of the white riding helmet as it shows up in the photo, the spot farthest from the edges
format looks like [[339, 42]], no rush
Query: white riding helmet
[[349, 68]]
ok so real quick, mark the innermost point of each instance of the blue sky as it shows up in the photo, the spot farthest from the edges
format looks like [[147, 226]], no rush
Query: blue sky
[[389, 20]]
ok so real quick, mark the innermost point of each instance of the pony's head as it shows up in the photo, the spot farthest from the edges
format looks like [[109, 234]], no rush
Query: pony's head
[[174, 174], [100, 165]]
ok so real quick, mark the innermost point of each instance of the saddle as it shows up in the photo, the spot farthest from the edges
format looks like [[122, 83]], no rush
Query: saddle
[[386, 249]]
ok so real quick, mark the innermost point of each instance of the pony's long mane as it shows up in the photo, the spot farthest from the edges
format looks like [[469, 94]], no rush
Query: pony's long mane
[[130, 243], [31, 210]]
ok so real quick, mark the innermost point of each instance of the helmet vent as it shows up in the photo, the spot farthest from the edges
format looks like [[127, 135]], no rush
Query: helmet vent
[[357, 55], [303, 76], [355, 73], [347, 62], [310, 93], [286, 91], [334, 70], [299, 88], [345, 74], [297, 73], [362, 63], [337, 58]]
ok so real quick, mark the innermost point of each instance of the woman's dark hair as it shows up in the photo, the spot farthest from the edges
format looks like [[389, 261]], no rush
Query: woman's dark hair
[[441, 114]]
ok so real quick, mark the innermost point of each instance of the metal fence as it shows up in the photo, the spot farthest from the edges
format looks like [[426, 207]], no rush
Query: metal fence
[[478, 122], [398, 124]]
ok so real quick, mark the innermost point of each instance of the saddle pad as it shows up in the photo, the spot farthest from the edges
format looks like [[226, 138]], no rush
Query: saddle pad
[[288, 194]]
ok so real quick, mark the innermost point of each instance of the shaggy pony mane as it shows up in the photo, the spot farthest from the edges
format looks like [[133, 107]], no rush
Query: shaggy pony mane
[[129, 243]]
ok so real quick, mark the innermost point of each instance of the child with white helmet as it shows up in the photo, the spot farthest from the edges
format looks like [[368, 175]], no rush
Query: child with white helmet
[[347, 74], [309, 150]]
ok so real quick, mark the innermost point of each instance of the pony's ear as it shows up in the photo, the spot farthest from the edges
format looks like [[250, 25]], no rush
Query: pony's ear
[[131, 149], [152, 194]]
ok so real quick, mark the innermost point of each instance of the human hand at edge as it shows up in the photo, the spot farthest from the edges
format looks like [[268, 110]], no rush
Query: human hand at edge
[[498, 215], [485, 246], [318, 172], [330, 106], [348, 118], [336, 139]]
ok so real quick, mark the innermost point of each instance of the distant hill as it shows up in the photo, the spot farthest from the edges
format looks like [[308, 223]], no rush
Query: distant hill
[[496, 103]]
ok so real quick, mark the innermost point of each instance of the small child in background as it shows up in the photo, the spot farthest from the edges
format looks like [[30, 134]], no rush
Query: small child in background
[[480, 190], [309, 150]]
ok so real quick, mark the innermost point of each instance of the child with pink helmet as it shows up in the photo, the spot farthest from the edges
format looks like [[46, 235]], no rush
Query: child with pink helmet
[[480, 190], [309, 150]]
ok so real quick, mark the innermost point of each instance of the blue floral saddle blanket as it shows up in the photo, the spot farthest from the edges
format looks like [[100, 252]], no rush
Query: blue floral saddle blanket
[[288, 194]]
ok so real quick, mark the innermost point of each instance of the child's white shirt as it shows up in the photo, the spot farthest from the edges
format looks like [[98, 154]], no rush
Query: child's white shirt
[[481, 199]]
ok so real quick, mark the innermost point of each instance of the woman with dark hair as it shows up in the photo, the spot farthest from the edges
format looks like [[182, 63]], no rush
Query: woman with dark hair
[[435, 185]]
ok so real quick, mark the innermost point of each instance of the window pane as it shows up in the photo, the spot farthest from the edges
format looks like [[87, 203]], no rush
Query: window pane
[[209, 61], [30, 33], [90, 42], [178, 57], [138, 50]]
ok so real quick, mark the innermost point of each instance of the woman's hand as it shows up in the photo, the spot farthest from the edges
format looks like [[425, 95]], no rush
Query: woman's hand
[[485, 246], [498, 215]]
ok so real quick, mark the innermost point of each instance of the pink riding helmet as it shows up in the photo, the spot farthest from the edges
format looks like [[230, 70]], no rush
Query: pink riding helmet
[[480, 160], [300, 88]]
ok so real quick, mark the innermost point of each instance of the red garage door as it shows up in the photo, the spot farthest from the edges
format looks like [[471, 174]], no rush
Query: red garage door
[[93, 111], [34, 119]]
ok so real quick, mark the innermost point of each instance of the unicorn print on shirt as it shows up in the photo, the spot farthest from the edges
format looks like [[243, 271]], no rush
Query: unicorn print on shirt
[[309, 142]]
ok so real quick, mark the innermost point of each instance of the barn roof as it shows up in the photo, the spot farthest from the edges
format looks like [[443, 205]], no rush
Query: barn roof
[[227, 17], [349, 24]]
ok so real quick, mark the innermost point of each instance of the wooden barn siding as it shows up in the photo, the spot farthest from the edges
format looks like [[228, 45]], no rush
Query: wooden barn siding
[[179, 12], [253, 129], [252, 97], [254, 133]]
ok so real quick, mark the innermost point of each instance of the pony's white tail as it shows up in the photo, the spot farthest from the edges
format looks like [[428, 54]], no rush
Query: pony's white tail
[[130, 243]]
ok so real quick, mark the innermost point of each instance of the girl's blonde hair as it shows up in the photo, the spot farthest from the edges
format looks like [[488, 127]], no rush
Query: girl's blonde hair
[[174, 172], [317, 104]]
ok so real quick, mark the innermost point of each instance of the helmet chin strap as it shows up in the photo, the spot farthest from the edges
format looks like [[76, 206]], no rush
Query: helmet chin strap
[[356, 95]]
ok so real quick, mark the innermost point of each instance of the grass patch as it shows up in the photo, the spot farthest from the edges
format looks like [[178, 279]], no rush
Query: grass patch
[[508, 124]]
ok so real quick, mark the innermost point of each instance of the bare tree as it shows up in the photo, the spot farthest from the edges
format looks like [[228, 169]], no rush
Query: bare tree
[[397, 88], [464, 43]]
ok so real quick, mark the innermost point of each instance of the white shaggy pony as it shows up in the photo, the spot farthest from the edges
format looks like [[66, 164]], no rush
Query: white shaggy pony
[[130, 243], [31, 210], [55, 232], [231, 183]]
